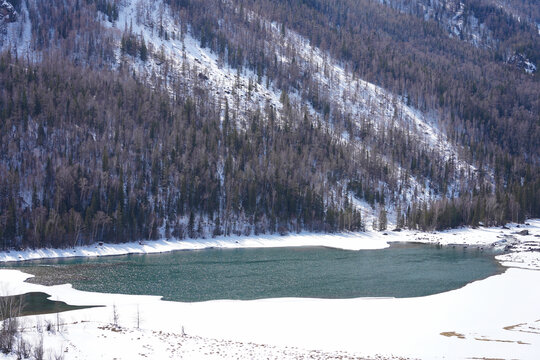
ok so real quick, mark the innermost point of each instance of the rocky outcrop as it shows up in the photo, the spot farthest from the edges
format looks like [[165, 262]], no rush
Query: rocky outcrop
[[7, 12], [521, 62]]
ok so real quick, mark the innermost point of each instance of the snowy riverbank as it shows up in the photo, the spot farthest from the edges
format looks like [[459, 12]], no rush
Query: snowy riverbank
[[521, 242], [349, 241], [497, 317], [523, 251], [494, 318]]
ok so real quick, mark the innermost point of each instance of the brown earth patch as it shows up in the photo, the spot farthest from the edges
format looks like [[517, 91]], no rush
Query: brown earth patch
[[452, 334], [512, 327], [503, 341]]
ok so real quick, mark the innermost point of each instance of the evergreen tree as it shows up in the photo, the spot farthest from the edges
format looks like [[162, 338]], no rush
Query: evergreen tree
[[383, 221]]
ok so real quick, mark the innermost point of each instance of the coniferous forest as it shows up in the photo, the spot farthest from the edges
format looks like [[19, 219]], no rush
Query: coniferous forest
[[107, 158], [91, 151]]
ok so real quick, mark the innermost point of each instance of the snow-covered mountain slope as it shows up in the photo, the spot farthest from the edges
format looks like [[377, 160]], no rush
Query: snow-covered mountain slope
[[364, 116], [360, 100], [15, 28], [329, 91], [474, 22], [352, 96], [190, 64], [365, 104]]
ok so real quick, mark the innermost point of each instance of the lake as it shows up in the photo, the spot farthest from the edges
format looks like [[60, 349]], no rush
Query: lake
[[36, 303], [403, 270]]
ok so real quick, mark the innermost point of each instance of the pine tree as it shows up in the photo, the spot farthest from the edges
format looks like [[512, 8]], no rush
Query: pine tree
[[143, 51], [191, 225], [383, 221]]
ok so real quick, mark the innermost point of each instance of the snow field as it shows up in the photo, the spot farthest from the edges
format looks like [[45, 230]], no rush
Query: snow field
[[493, 318]]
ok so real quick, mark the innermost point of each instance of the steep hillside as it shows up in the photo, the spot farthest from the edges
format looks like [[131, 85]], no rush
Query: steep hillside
[[353, 110], [139, 119], [507, 28]]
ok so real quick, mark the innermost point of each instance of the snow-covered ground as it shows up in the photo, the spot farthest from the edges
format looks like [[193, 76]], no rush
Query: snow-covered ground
[[523, 251], [497, 317], [521, 242], [346, 241]]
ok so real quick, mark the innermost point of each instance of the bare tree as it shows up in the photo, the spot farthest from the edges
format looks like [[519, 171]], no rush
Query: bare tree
[[115, 315], [138, 317], [10, 309]]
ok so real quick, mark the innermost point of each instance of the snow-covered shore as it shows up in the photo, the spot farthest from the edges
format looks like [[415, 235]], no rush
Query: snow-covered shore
[[497, 317], [521, 242], [345, 241], [523, 250]]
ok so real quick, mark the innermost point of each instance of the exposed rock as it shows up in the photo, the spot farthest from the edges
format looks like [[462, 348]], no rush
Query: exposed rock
[[521, 62], [7, 12]]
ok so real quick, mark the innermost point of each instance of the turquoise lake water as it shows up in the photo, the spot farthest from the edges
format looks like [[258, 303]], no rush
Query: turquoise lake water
[[403, 270]]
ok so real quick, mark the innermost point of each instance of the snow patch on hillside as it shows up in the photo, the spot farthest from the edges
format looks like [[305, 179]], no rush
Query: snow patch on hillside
[[361, 100], [366, 103], [18, 34], [191, 65], [453, 15]]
